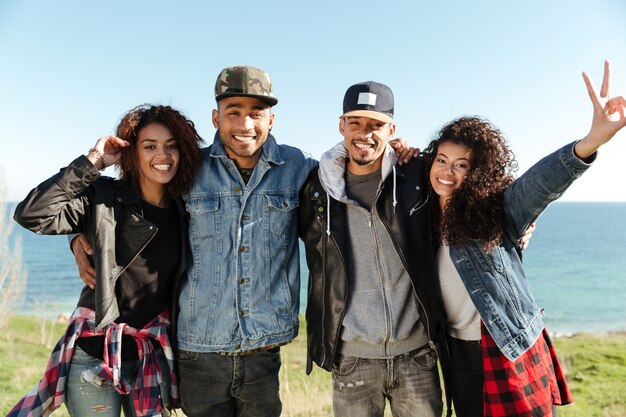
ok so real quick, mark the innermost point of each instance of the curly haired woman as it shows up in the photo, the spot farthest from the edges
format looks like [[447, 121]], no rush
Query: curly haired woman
[[503, 361], [116, 352]]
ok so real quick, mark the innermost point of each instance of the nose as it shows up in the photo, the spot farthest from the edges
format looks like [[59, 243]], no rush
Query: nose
[[163, 150], [248, 123]]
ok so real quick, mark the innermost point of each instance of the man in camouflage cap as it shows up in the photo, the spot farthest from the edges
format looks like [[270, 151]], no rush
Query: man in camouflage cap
[[240, 300]]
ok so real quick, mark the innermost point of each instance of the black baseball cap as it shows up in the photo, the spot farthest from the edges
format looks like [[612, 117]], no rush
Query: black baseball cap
[[369, 99]]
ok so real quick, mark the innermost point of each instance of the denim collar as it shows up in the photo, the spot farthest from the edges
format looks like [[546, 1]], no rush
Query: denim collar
[[270, 151]]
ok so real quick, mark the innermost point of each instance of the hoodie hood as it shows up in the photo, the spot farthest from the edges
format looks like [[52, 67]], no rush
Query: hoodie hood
[[333, 167]]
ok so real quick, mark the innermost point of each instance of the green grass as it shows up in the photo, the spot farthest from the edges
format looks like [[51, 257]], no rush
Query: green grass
[[595, 366]]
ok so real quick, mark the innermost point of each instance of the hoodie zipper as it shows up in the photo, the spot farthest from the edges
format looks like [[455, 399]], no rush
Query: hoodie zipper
[[381, 276], [404, 264]]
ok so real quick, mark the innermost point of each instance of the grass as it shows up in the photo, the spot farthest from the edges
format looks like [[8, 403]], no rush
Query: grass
[[595, 365]]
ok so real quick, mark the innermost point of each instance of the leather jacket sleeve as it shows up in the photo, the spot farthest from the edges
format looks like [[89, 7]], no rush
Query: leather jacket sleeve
[[60, 204]]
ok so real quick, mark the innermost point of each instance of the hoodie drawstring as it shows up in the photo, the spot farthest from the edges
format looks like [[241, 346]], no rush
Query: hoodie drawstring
[[395, 200], [327, 214]]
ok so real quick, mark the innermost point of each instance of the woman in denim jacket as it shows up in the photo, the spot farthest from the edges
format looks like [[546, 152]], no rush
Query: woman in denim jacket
[[116, 352], [503, 361]]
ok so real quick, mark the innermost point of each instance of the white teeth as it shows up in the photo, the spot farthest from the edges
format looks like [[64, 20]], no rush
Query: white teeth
[[363, 145], [445, 182], [244, 138], [162, 167]]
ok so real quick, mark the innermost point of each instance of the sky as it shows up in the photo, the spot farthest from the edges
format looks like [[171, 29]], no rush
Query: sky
[[70, 69]]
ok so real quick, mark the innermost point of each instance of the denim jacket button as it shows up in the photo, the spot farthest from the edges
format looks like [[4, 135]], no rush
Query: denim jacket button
[[242, 248]]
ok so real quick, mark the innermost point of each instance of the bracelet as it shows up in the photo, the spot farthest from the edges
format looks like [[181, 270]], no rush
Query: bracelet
[[99, 155]]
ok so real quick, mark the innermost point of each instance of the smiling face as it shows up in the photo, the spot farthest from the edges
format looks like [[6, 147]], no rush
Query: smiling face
[[243, 123], [158, 157], [365, 139], [451, 164]]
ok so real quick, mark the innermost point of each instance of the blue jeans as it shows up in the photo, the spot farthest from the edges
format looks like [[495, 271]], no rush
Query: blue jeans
[[410, 382], [227, 386], [98, 398]]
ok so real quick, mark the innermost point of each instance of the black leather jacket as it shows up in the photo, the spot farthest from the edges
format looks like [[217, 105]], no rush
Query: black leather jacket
[[410, 227], [78, 200]]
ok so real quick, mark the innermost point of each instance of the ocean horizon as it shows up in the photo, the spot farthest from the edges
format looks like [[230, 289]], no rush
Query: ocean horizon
[[575, 265]]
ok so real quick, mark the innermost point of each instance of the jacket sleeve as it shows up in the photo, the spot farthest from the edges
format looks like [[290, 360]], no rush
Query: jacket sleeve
[[529, 195], [60, 204]]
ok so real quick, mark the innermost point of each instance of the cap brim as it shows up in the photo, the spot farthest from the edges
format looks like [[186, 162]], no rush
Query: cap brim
[[272, 101], [368, 113]]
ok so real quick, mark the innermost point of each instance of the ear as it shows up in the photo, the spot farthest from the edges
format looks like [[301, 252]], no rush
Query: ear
[[392, 129], [271, 124], [216, 118], [342, 125]]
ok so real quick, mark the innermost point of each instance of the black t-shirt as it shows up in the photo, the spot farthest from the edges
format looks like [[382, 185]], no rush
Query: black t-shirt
[[144, 289]]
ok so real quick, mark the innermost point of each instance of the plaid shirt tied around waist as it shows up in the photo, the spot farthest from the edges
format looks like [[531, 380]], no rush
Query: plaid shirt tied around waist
[[49, 393]]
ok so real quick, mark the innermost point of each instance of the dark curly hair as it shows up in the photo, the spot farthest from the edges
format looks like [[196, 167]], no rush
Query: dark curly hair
[[475, 210], [184, 131]]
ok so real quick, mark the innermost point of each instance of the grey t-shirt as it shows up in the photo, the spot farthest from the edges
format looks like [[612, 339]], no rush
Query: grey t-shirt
[[362, 188]]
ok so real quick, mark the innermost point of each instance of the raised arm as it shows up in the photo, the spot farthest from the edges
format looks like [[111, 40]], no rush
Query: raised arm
[[546, 180]]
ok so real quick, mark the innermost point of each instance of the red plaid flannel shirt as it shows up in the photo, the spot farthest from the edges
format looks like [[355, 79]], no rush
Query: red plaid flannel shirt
[[527, 387], [49, 393]]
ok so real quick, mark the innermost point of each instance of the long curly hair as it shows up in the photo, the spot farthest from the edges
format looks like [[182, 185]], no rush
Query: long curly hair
[[188, 140], [475, 210]]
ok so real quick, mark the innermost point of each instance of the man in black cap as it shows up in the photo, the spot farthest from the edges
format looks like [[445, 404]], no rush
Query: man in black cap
[[374, 316]]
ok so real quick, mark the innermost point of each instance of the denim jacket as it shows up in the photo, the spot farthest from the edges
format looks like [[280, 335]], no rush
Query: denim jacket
[[242, 289], [496, 281]]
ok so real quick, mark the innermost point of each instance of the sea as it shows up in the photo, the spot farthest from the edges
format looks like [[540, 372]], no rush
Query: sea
[[576, 266]]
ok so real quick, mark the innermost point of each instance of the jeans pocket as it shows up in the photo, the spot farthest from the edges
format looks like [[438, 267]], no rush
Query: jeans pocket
[[186, 356], [345, 365], [425, 359], [91, 378]]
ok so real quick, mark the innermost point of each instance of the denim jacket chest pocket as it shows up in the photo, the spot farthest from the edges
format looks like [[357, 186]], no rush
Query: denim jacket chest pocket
[[204, 219], [282, 212], [494, 265]]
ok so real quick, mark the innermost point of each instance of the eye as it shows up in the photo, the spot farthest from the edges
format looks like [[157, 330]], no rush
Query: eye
[[377, 126], [173, 146], [150, 147]]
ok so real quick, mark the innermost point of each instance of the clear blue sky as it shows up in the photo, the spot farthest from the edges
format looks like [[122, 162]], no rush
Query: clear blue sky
[[70, 69]]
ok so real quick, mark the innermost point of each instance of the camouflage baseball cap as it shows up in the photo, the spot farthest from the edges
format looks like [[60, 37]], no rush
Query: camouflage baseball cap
[[244, 81]]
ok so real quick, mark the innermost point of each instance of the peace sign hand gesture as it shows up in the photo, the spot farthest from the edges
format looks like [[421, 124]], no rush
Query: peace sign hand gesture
[[608, 115]]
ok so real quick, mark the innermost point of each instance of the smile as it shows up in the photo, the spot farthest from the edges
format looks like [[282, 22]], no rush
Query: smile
[[364, 145], [445, 182], [244, 138], [162, 167]]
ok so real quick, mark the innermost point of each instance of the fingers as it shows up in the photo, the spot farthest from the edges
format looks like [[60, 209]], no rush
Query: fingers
[[593, 95], [87, 273], [404, 152], [606, 81], [82, 248], [110, 144], [113, 144], [528, 234]]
